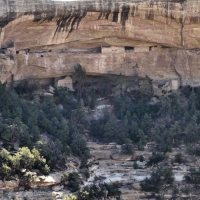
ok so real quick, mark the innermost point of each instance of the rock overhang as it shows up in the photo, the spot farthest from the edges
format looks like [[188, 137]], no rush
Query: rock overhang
[[39, 35]]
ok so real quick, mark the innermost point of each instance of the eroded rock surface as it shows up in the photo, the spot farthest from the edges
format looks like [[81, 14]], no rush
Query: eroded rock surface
[[109, 170], [46, 39]]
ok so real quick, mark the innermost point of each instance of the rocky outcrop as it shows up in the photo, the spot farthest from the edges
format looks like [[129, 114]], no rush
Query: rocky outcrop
[[46, 39], [108, 170], [52, 179], [8, 186], [122, 170], [163, 64]]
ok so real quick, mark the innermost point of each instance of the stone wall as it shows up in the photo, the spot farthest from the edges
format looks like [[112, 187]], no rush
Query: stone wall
[[164, 64], [141, 49], [66, 82], [112, 50], [175, 84]]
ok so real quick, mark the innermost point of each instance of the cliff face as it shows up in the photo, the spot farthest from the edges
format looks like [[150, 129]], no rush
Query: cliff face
[[45, 39]]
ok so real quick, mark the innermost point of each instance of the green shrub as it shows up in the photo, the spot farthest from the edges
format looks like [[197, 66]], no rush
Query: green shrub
[[128, 147], [15, 198], [155, 158], [23, 158], [141, 158], [78, 77], [135, 165], [194, 151], [113, 190], [27, 88], [194, 176], [74, 181], [5, 171], [69, 197], [157, 179], [98, 191], [178, 158], [87, 173], [46, 169], [27, 180], [175, 190]]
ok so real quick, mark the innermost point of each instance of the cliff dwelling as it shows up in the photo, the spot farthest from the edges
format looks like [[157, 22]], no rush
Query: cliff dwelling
[[98, 50], [66, 82], [107, 50], [135, 49], [101, 39], [99, 99]]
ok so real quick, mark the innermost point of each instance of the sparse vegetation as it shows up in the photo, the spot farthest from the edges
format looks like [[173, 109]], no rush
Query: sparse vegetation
[[23, 121], [134, 122], [155, 158], [178, 158], [128, 147], [157, 179], [22, 159], [99, 191], [73, 181], [69, 197], [194, 176], [135, 165]]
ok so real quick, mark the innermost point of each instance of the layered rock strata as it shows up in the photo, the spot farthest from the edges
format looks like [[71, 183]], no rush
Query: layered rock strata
[[46, 39], [108, 164]]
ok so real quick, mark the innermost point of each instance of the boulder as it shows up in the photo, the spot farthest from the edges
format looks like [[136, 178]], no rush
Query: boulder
[[57, 188], [11, 183], [51, 89], [23, 170], [121, 156], [170, 192], [118, 146], [48, 94], [42, 178], [1, 184], [101, 154], [136, 186], [22, 188], [30, 174], [51, 179], [9, 190]]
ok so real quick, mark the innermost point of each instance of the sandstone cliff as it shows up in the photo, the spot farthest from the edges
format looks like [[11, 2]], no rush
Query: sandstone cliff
[[45, 39]]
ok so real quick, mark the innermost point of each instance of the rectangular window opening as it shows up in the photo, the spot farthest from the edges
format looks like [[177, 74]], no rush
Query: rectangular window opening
[[129, 48]]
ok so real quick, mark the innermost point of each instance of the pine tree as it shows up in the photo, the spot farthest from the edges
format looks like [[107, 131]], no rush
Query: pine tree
[[110, 129], [79, 76]]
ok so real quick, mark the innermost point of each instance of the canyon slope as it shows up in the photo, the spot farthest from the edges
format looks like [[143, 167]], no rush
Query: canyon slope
[[45, 39]]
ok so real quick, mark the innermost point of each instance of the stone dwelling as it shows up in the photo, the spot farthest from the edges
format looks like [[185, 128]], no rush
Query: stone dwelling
[[136, 49], [66, 82]]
